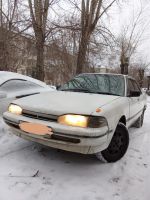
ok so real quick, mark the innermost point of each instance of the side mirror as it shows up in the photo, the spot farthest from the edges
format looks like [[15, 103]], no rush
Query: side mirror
[[134, 94], [3, 95]]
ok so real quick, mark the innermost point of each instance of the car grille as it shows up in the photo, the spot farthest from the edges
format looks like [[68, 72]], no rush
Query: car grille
[[54, 136], [40, 116]]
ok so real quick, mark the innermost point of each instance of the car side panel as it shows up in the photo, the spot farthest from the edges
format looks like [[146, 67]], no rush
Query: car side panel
[[113, 113], [137, 105]]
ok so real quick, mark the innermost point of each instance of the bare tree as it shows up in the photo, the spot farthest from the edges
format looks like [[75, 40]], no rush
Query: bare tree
[[7, 17], [129, 41], [139, 69], [66, 37], [12, 24], [91, 13], [5, 28], [39, 14]]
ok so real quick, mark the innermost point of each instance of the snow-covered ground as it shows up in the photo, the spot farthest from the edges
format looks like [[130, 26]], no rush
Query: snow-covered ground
[[28, 171]]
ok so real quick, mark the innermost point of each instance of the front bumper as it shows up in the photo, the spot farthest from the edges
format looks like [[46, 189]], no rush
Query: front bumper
[[75, 139]]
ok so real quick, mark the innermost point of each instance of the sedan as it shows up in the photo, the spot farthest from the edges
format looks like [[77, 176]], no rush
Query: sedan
[[90, 114], [15, 86]]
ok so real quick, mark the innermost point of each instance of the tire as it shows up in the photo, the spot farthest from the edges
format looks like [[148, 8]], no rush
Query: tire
[[117, 147], [139, 122]]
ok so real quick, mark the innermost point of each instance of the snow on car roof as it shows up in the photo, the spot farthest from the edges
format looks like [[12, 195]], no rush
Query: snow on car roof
[[5, 76]]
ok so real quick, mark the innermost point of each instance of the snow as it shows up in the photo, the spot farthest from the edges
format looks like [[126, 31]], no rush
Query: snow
[[29, 171]]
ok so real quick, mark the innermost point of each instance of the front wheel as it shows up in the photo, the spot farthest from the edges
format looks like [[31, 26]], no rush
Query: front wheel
[[118, 145]]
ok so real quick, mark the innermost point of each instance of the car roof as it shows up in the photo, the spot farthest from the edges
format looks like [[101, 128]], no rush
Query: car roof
[[123, 75], [106, 74], [5, 76]]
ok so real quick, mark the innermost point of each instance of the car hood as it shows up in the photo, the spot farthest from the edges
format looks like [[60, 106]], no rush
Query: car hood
[[61, 102]]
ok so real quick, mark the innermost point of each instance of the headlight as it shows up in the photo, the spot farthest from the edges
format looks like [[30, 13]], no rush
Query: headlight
[[73, 120], [83, 121], [15, 109], [97, 122]]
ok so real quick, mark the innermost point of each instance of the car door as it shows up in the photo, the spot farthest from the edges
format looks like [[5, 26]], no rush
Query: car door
[[134, 102], [16, 88], [140, 104]]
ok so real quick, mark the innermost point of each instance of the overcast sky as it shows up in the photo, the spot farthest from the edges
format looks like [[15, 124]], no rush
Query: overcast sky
[[119, 16], [125, 14]]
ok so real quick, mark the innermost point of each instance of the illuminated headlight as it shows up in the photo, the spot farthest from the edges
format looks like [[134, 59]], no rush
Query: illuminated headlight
[[73, 120], [83, 121], [15, 109]]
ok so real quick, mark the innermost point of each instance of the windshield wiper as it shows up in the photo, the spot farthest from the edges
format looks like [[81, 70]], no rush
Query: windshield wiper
[[77, 90], [89, 91], [107, 93]]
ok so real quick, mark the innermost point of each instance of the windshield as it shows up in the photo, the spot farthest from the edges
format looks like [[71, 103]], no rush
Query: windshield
[[96, 83]]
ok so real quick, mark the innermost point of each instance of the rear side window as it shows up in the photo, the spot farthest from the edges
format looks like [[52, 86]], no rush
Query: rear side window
[[18, 85]]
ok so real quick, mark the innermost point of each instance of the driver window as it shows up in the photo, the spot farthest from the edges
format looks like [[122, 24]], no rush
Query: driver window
[[136, 87]]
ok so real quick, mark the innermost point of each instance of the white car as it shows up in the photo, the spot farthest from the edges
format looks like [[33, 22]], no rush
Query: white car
[[14, 86], [90, 114]]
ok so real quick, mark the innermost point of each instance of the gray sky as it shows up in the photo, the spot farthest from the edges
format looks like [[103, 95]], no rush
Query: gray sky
[[118, 16], [125, 14]]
